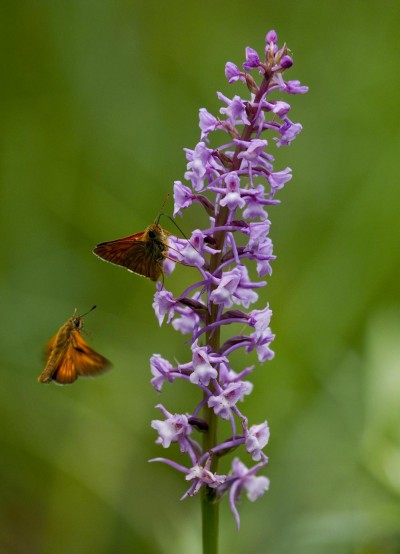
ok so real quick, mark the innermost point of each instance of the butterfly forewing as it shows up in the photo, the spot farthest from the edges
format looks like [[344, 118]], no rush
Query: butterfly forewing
[[119, 251], [142, 253], [50, 346]]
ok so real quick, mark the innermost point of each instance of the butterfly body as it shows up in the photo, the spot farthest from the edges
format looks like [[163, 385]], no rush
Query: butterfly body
[[142, 253], [69, 356]]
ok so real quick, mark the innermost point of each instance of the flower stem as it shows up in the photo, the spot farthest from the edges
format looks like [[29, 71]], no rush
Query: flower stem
[[210, 503], [210, 516]]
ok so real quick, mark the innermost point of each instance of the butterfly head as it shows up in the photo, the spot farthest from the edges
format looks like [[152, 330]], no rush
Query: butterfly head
[[77, 322]]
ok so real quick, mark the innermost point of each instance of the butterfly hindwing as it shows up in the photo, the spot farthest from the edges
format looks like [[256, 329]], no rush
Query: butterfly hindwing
[[66, 372]]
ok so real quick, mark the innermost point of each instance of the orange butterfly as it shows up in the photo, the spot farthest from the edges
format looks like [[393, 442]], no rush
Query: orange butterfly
[[69, 356], [142, 253]]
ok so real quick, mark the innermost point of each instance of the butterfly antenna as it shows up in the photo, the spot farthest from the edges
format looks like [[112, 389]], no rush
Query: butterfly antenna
[[88, 312], [161, 207], [179, 229], [174, 223]]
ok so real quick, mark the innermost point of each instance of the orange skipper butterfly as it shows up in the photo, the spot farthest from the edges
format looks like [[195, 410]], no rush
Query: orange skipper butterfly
[[69, 356]]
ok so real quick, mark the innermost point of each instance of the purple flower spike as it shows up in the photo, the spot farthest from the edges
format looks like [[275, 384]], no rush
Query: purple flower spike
[[235, 183]]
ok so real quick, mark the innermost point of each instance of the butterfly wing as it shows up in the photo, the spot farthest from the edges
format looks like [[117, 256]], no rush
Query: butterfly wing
[[60, 367], [133, 253], [145, 262], [50, 347], [119, 251], [65, 372], [87, 362], [55, 352]]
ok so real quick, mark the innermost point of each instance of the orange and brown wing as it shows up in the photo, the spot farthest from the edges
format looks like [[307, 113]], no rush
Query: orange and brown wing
[[65, 372], [60, 367], [121, 251], [144, 263], [87, 361], [50, 347], [133, 253], [55, 351]]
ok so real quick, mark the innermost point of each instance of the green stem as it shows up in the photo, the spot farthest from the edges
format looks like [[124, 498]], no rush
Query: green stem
[[209, 502], [210, 515]]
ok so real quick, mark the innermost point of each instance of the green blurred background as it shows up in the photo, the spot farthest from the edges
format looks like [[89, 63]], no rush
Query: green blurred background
[[97, 101]]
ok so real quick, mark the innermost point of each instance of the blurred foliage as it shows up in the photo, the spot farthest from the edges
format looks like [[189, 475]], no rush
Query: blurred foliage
[[97, 101]]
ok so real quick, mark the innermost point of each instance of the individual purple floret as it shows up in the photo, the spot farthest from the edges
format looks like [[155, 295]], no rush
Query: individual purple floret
[[235, 183]]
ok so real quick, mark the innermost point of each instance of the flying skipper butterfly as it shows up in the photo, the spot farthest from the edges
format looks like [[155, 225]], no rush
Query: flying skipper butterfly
[[69, 356]]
